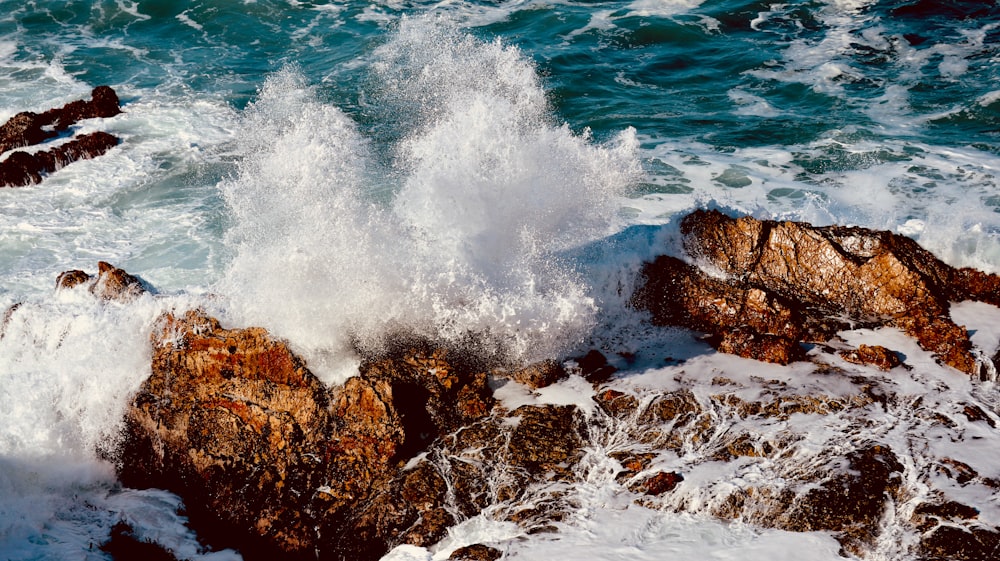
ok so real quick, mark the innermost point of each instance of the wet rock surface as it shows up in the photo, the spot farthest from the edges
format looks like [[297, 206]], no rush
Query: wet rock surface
[[272, 462], [783, 283], [265, 454], [110, 283], [28, 129]]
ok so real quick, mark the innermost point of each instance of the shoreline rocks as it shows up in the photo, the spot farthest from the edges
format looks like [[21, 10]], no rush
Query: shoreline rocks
[[777, 284], [273, 463]]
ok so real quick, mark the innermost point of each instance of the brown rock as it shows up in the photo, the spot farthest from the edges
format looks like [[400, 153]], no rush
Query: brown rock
[[476, 552], [70, 279], [873, 355], [786, 282], [658, 483], [21, 168], [538, 375], [111, 283], [268, 458], [617, 404], [546, 439], [115, 284]]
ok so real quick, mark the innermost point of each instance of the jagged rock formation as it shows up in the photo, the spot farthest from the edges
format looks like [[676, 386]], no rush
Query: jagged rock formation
[[274, 463], [111, 283], [28, 129], [264, 454], [787, 282]]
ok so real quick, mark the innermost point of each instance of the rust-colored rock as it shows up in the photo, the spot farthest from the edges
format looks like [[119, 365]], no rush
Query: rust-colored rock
[[270, 460], [658, 483], [786, 282], [873, 355], [233, 422], [111, 283]]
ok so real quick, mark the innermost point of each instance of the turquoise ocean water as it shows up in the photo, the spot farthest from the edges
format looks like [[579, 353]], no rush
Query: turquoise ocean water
[[330, 169]]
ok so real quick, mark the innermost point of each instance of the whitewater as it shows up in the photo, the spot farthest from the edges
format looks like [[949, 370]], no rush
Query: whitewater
[[341, 172]]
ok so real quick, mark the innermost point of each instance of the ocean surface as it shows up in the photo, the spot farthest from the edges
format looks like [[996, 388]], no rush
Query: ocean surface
[[336, 171]]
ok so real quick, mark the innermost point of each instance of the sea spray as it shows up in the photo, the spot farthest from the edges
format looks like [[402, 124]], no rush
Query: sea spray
[[457, 234], [70, 363]]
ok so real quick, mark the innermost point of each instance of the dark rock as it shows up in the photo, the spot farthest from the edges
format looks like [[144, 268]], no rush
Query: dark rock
[[22, 130], [873, 355], [595, 368], [123, 545], [27, 128], [476, 552], [787, 282], [850, 503], [104, 103], [946, 510], [21, 168], [954, 543]]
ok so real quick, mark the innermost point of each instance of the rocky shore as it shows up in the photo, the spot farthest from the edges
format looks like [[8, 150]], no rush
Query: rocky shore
[[272, 462]]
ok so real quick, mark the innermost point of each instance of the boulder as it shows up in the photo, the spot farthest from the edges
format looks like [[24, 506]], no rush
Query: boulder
[[873, 355], [476, 552], [111, 283], [271, 461], [233, 422], [776, 284], [537, 375]]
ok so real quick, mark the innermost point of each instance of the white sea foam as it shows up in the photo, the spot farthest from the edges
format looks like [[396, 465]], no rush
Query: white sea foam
[[459, 235], [661, 8]]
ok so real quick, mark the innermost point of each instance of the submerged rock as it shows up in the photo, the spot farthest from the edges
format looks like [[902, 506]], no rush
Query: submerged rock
[[776, 284]]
